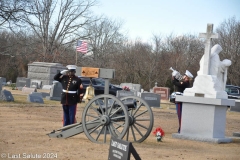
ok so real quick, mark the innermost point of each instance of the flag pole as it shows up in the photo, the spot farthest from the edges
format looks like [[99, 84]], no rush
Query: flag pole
[[76, 58]]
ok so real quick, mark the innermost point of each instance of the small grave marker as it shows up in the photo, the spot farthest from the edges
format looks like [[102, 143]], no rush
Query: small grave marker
[[120, 149]]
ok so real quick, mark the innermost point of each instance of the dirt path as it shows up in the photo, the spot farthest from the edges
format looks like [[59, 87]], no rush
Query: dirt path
[[24, 128]]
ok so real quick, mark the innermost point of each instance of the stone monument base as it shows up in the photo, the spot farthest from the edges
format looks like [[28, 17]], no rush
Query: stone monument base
[[213, 140], [203, 119], [206, 86]]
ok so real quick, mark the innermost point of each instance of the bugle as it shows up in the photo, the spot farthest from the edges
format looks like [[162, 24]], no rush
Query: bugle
[[177, 75]]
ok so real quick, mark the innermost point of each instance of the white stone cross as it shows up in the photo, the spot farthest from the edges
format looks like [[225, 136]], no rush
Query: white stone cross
[[208, 45]]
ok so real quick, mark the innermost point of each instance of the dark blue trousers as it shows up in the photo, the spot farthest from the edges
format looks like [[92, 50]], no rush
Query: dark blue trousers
[[179, 114], [69, 112]]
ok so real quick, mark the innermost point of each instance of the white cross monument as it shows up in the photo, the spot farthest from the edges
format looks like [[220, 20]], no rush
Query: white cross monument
[[206, 84], [208, 45], [204, 105]]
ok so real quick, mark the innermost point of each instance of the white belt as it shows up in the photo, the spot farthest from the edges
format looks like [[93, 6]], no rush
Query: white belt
[[69, 91]]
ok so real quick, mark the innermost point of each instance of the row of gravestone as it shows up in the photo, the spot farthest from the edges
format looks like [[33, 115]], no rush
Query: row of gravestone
[[33, 95], [153, 99], [164, 92]]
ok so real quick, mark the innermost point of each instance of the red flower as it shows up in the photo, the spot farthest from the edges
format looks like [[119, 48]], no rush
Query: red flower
[[126, 88], [159, 133], [159, 130]]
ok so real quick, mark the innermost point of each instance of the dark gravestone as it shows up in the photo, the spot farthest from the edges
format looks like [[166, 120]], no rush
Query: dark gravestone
[[34, 98], [152, 99], [121, 150], [6, 96], [22, 82], [55, 92]]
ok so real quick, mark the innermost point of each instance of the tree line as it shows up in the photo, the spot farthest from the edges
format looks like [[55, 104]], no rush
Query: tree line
[[47, 31]]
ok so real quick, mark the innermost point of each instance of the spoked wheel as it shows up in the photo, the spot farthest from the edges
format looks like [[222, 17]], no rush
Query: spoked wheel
[[140, 119], [105, 116]]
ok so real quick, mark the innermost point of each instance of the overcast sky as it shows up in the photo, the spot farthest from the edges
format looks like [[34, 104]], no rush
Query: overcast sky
[[144, 18]]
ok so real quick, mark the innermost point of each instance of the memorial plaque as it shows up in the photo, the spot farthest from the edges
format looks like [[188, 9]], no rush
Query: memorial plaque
[[152, 99], [90, 72], [120, 149], [199, 95], [163, 91]]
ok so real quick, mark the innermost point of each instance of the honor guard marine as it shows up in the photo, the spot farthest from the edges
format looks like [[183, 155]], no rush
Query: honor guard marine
[[71, 93]]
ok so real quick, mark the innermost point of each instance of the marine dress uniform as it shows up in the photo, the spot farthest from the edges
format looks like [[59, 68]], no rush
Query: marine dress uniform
[[71, 93], [181, 86]]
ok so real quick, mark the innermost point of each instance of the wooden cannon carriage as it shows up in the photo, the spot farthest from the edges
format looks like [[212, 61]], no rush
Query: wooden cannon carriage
[[129, 118]]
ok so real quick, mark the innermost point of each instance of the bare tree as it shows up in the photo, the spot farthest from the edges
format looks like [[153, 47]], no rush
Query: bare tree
[[11, 11], [229, 32], [105, 40], [59, 23]]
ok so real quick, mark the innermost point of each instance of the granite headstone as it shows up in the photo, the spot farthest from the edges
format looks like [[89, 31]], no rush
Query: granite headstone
[[44, 72], [6, 96], [56, 91], [152, 99], [22, 82], [34, 98]]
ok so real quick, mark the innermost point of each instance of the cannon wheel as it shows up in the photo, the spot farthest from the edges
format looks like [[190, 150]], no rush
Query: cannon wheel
[[100, 122], [140, 120]]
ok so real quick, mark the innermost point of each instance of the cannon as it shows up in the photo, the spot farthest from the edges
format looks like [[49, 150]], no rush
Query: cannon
[[129, 118]]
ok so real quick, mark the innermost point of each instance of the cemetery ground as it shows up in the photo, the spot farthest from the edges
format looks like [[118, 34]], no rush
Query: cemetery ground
[[24, 127]]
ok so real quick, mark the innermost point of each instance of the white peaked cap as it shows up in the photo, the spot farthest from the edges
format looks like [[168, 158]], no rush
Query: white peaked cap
[[189, 74], [71, 67]]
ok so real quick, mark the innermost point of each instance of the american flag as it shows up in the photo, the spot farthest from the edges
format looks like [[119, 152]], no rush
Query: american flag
[[81, 46]]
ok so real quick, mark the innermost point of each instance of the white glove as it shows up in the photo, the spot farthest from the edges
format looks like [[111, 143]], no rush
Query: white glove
[[174, 73], [64, 72]]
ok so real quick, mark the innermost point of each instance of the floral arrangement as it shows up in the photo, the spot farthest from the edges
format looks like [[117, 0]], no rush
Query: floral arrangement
[[126, 88], [159, 134]]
